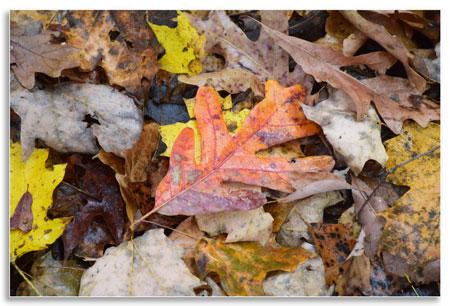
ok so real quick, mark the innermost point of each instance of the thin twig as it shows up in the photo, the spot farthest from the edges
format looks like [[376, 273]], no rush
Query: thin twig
[[81, 191], [170, 228]]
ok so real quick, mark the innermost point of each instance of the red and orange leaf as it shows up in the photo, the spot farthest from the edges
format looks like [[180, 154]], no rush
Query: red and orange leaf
[[191, 188]]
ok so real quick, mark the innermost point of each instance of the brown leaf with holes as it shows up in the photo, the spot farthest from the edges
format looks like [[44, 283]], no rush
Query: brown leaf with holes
[[333, 243], [118, 41]]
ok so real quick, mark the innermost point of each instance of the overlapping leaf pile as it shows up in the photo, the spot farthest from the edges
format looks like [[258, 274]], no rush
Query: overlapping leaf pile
[[234, 153]]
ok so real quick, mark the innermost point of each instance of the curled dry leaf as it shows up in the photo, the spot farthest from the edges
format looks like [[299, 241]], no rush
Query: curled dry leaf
[[149, 265], [31, 53], [414, 218], [251, 225], [243, 266], [118, 41], [323, 63], [32, 176], [356, 141], [307, 280], [57, 117], [294, 230], [191, 188], [390, 42]]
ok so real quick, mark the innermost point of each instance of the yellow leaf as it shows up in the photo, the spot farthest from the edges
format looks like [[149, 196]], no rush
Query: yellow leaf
[[243, 266], [170, 132], [40, 182], [183, 46], [412, 223]]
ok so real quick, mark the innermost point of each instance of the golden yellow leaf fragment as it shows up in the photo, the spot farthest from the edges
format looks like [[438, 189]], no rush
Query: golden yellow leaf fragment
[[411, 232], [40, 182], [183, 45]]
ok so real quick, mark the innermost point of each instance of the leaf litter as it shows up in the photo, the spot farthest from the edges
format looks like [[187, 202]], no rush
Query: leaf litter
[[279, 153]]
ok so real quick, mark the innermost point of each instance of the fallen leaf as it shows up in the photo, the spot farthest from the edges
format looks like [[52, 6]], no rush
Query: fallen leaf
[[139, 157], [39, 52], [356, 280], [186, 236], [183, 46], [40, 182], [118, 41], [53, 278], [324, 64], [99, 200], [262, 58], [56, 117], [294, 230], [232, 80], [190, 188], [390, 42], [334, 244], [22, 219], [413, 220], [307, 280], [242, 267], [149, 265], [433, 66], [356, 141], [251, 225]]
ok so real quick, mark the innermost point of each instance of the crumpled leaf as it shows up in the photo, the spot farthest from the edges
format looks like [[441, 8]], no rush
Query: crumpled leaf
[[434, 65], [40, 182], [356, 141], [243, 266], [170, 132], [39, 52], [56, 117], [53, 278], [149, 265], [262, 58], [22, 219], [183, 46], [414, 218], [324, 64], [190, 188], [334, 244], [118, 41], [251, 225], [294, 229], [390, 42], [232, 80], [307, 280]]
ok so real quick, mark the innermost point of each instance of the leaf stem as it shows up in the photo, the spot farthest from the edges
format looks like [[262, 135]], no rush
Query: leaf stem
[[26, 279]]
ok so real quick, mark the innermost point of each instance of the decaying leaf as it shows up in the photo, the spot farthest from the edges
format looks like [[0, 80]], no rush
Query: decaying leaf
[[390, 42], [183, 46], [193, 188], [186, 236], [334, 244], [243, 266], [39, 52], [22, 219], [118, 41], [56, 117], [294, 229], [149, 265], [413, 220], [251, 225], [356, 141], [32, 176], [307, 280], [356, 280], [53, 278], [323, 63]]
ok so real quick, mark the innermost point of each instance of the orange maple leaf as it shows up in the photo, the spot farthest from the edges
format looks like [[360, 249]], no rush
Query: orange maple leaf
[[191, 188]]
